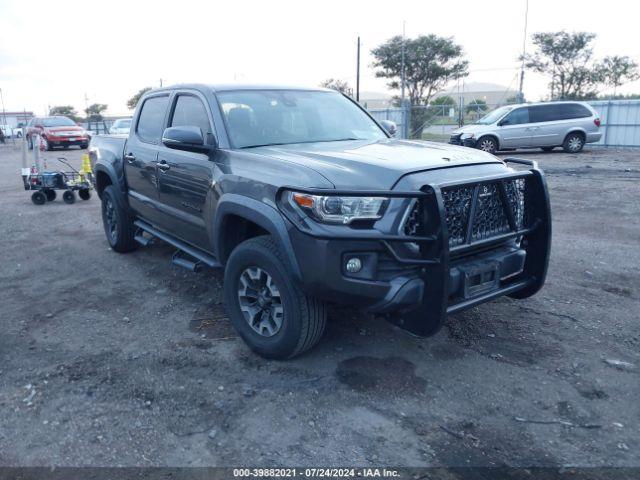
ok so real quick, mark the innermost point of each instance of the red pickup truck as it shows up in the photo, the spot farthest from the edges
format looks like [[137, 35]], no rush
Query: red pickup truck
[[56, 131]]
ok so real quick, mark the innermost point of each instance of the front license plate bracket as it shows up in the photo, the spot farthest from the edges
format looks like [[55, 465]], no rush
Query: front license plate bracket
[[481, 278]]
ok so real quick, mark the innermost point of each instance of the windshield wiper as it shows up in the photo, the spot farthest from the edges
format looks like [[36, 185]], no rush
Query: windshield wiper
[[305, 141]]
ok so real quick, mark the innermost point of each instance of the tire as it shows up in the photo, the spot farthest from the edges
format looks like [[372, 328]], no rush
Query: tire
[[118, 224], [487, 144], [302, 318], [547, 149], [50, 194], [573, 143], [84, 146], [84, 193], [38, 198], [69, 197]]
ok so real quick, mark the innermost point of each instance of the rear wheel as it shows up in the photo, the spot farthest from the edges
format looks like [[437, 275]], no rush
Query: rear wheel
[[38, 198], [268, 309], [573, 143], [84, 193], [487, 144], [118, 224], [50, 194], [69, 197]]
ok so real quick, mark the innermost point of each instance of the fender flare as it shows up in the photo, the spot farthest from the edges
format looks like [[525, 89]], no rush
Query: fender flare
[[259, 213], [110, 171]]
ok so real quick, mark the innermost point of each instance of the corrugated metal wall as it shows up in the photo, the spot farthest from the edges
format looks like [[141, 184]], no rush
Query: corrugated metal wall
[[620, 122]]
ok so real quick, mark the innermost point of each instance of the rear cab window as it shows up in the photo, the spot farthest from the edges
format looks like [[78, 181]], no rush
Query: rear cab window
[[151, 119]]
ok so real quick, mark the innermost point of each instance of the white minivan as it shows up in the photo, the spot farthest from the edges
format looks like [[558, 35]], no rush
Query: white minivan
[[533, 125]]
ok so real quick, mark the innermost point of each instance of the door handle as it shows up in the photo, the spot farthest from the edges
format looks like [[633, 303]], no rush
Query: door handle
[[130, 157], [163, 165]]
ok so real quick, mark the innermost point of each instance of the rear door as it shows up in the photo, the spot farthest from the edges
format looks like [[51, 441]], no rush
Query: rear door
[[141, 155], [548, 124], [185, 178], [515, 129]]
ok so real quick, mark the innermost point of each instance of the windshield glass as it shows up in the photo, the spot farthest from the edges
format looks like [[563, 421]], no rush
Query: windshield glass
[[122, 123], [276, 117], [494, 116], [58, 122]]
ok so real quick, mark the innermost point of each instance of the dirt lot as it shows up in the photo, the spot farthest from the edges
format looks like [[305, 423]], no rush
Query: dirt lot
[[109, 359]]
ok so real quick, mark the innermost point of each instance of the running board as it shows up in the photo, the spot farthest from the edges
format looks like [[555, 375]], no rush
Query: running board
[[205, 258]]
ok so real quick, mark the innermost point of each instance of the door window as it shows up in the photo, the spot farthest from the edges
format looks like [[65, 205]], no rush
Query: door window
[[517, 117], [151, 118], [190, 111]]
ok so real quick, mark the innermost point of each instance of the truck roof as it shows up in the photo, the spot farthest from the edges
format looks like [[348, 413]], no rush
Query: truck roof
[[225, 87]]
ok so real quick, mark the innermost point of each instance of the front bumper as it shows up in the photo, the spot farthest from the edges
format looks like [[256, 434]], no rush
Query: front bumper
[[421, 279], [457, 139], [64, 141]]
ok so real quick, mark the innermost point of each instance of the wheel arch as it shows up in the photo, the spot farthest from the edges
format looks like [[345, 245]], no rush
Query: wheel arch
[[580, 131], [490, 135], [259, 217]]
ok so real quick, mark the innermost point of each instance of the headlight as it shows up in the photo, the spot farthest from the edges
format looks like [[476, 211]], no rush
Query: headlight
[[334, 209], [468, 135]]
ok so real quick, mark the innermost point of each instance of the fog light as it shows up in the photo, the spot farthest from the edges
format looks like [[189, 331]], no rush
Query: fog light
[[354, 265]]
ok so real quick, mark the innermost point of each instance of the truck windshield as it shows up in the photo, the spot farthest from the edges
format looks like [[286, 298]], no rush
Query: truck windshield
[[278, 117], [494, 116]]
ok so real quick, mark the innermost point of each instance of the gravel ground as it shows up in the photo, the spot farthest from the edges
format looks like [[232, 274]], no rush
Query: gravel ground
[[109, 359]]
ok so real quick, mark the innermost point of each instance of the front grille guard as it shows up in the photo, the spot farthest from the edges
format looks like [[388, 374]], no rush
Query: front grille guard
[[435, 252]]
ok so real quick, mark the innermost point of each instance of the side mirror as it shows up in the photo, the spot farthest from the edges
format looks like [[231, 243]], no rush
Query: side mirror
[[390, 127], [188, 138]]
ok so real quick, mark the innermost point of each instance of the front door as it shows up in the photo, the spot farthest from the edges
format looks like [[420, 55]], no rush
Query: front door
[[141, 155], [185, 178], [515, 129]]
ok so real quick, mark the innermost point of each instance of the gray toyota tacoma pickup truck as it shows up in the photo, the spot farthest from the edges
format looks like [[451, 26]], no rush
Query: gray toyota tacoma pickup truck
[[305, 200]]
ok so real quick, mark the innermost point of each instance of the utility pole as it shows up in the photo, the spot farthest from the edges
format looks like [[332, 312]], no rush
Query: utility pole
[[4, 113], [358, 72], [402, 65], [524, 51], [160, 83]]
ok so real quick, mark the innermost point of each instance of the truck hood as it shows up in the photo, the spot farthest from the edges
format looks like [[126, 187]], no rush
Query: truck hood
[[373, 165]]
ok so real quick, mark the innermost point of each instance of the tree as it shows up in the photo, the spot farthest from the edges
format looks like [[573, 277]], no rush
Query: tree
[[618, 70], [133, 101], [340, 85], [94, 111], [477, 106], [66, 110], [568, 59], [430, 62], [441, 105]]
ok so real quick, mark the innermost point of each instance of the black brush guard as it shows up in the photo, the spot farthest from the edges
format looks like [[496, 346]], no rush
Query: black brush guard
[[435, 252]]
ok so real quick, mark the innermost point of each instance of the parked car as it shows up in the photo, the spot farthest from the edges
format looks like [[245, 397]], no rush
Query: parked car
[[56, 131], [537, 125], [120, 127], [304, 200], [11, 132]]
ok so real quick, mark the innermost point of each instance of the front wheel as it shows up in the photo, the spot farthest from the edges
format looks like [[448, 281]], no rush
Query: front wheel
[[487, 144], [268, 309], [118, 224]]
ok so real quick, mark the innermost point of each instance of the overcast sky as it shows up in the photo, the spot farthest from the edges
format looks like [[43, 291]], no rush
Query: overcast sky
[[53, 53]]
